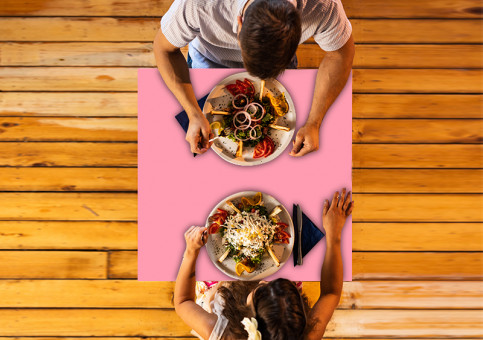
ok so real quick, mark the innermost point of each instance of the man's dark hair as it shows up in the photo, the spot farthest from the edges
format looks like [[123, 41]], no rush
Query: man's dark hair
[[269, 37]]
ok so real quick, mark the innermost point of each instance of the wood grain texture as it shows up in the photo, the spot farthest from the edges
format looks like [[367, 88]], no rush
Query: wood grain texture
[[125, 79], [416, 81], [418, 208], [399, 56], [134, 294], [417, 181], [125, 104], [68, 179], [123, 207], [68, 79], [423, 131], [419, 265], [309, 55], [417, 106], [44, 154], [144, 29], [121, 264], [417, 237], [353, 8], [69, 154], [125, 179], [146, 322], [68, 104], [417, 156], [365, 266], [69, 206], [62, 235], [68, 129], [52, 265]]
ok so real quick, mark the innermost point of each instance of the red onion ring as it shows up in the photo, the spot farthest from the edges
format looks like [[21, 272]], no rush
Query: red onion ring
[[252, 114], [254, 128], [235, 98], [242, 124]]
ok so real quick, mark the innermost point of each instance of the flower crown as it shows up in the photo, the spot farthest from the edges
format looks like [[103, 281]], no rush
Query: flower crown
[[251, 326]]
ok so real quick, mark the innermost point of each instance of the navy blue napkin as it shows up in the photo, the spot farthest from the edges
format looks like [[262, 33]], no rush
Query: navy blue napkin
[[311, 235], [183, 119]]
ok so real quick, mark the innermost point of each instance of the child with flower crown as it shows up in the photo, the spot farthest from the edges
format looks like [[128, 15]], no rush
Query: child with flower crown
[[262, 310]]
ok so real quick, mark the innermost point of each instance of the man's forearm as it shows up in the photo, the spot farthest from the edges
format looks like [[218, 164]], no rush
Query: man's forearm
[[331, 79], [173, 68], [332, 269], [186, 280]]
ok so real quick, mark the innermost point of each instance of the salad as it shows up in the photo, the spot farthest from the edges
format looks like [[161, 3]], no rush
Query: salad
[[248, 231], [249, 117]]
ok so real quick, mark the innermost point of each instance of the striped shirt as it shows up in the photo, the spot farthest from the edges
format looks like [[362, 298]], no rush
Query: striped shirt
[[210, 28]]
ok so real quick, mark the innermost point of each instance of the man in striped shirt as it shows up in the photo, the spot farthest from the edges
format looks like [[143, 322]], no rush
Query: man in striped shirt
[[261, 36]]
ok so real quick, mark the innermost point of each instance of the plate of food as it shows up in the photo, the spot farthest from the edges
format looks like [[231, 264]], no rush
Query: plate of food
[[253, 120], [250, 235]]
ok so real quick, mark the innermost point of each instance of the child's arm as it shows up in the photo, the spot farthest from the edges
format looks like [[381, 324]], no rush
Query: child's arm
[[184, 292], [334, 217]]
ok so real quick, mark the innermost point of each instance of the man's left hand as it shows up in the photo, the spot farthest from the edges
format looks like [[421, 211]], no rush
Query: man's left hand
[[306, 141]]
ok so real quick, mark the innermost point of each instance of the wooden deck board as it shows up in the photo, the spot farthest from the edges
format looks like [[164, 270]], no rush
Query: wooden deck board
[[125, 179], [353, 8], [135, 29], [134, 54], [365, 265], [134, 294], [147, 322], [125, 79]]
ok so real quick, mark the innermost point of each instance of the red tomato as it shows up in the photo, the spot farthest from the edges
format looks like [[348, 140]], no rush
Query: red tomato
[[233, 89], [222, 212], [251, 88], [213, 228], [283, 225], [283, 234], [260, 149]]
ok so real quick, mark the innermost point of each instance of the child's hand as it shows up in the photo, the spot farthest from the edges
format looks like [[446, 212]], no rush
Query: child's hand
[[335, 214], [196, 238]]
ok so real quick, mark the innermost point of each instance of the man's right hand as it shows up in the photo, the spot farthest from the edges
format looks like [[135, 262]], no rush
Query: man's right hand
[[199, 134], [335, 214]]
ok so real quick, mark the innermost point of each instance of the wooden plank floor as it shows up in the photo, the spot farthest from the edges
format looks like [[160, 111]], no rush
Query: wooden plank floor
[[68, 179]]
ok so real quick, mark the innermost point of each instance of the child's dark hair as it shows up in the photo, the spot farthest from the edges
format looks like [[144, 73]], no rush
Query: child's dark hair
[[280, 310]]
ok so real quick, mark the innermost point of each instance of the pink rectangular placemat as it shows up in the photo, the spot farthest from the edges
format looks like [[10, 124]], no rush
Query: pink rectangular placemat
[[177, 190]]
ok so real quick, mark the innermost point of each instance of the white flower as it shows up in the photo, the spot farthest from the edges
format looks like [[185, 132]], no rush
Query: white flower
[[251, 326]]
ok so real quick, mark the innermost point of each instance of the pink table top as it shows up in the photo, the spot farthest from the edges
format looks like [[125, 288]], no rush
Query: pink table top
[[177, 190]]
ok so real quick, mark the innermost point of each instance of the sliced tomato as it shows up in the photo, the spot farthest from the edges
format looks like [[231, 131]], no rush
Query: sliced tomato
[[260, 149], [281, 224], [251, 88], [222, 212], [233, 89], [283, 234], [284, 240], [213, 228]]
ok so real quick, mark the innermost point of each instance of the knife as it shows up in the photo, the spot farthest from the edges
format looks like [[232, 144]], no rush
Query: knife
[[299, 225]]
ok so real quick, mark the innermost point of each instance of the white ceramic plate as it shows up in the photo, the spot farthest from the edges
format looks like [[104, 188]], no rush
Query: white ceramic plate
[[266, 267], [219, 98]]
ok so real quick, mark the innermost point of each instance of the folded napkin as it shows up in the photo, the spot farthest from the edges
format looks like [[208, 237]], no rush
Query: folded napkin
[[183, 119], [311, 235]]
